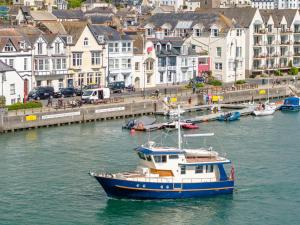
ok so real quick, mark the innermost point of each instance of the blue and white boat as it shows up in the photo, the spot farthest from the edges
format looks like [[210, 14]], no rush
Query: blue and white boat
[[291, 104], [229, 116], [171, 173]]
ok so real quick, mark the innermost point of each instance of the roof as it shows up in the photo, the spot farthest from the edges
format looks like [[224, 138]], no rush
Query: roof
[[4, 67], [29, 32], [75, 29], [42, 16], [138, 44], [55, 27], [11, 35], [68, 14], [103, 10], [98, 19], [109, 33], [189, 19], [159, 151], [277, 16]]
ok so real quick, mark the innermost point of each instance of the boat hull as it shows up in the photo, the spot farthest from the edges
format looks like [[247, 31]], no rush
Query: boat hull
[[118, 188], [263, 113]]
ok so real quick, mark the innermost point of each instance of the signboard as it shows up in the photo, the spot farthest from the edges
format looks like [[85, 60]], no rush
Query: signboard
[[110, 110], [53, 116], [173, 99], [262, 92], [215, 98], [31, 118]]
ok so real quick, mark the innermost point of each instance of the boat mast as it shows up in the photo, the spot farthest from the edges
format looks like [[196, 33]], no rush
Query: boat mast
[[269, 74], [179, 131]]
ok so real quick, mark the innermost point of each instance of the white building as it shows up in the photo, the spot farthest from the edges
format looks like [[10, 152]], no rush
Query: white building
[[120, 54], [276, 4], [211, 40], [12, 84], [16, 52], [263, 4]]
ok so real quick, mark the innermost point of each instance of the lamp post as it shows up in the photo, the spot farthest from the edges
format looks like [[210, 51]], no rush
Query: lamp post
[[2, 82], [194, 68]]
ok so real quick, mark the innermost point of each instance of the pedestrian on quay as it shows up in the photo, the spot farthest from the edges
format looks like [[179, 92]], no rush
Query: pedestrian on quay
[[49, 103]]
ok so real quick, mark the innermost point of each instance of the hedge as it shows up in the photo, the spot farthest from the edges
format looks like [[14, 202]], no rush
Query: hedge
[[215, 83], [293, 71], [240, 82], [28, 105]]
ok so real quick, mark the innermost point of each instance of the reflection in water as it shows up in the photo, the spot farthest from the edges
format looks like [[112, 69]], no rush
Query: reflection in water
[[181, 211], [31, 135]]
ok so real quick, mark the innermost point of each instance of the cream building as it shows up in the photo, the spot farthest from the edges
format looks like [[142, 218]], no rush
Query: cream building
[[87, 55]]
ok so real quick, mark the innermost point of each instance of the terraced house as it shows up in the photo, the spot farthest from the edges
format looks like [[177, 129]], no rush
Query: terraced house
[[196, 43], [86, 55]]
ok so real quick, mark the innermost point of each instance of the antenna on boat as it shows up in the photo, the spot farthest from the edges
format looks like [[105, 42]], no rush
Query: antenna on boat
[[179, 130]]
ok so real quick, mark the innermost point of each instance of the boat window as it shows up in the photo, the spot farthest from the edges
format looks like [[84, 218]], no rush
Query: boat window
[[148, 157], [199, 169], [182, 170], [141, 156], [209, 168], [173, 156], [160, 158]]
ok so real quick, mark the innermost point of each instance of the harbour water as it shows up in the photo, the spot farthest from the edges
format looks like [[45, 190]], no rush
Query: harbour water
[[44, 175]]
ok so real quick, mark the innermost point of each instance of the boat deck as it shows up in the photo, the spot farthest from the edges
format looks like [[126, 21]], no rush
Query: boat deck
[[203, 159]]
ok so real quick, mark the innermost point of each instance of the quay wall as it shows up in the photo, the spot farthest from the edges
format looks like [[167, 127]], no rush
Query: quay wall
[[34, 119]]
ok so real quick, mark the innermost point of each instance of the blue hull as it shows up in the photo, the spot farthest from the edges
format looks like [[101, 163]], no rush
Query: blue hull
[[148, 190], [235, 116], [293, 108]]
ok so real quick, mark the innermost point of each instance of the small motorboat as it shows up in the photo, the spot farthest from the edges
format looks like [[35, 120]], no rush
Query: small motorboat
[[291, 104], [265, 110], [184, 125], [189, 126], [174, 112], [229, 116], [138, 124]]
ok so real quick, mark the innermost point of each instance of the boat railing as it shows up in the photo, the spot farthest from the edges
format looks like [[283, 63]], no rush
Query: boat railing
[[171, 180]]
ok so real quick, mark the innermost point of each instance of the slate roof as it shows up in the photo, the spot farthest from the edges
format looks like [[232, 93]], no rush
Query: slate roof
[[109, 33], [68, 14], [55, 27], [100, 10], [30, 33], [100, 19], [11, 35], [42, 16], [204, 18], [75, 29], [277, 16], [4, 67]]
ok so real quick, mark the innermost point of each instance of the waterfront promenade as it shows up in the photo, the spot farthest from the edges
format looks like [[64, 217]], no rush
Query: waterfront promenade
[[130, 106]]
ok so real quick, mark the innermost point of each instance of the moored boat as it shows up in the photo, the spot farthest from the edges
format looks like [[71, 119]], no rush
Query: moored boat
[[264, 110], [291, 104], [171, 173], [230, 116]]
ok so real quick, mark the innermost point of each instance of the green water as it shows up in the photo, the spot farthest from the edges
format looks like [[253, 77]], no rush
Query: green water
[[44, 175]]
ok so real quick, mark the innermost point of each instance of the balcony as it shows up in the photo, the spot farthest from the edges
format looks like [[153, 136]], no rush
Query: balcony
[[286, 31], [171, 68], [259, 32], [297, 42], [162, 68], [260, 43], [50, 72], [297, 54], [259, 68], [258, 56]]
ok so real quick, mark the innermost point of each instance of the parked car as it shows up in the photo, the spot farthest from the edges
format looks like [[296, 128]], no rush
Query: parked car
[[38, 93], [65, 92], [117, 86], [78, 92]]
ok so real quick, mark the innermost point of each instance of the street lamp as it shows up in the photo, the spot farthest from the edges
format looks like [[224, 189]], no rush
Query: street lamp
[[144, 89], [194, 68], [2, 82]]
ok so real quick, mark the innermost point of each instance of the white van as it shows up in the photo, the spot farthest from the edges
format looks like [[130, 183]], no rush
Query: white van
[[92, 95]]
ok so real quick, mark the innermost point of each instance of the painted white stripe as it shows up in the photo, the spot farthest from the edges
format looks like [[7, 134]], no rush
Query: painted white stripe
[[110, 109], [199, 135], [53, 116]]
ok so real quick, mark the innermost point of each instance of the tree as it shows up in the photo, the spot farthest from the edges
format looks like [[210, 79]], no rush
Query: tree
[[74, 3]]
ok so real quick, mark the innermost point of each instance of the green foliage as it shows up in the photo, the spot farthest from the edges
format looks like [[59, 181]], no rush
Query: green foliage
[[199, 85], [28, 105], [2, 101], [74, 3], [215, 82], [240, 82], [293, 71], [278, 73]]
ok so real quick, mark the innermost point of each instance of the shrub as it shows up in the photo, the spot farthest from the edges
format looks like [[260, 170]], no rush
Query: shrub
[[294, 71], [28, 105], [278, 73], [240, 82], [215, 82], [199, 85], [2, 101]]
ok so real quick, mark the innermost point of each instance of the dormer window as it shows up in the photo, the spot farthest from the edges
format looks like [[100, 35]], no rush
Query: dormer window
[[270, 27], [57, 48], [214, 32], [22, 45], [283, 27], [166, 32], [168, 47], [158, 47], [197, 32], [86, 41], [149, 31], [9, 47], [40, 48]]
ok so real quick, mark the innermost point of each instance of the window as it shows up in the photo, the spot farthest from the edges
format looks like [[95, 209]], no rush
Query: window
[[41, 64], [148, 157], [57, 48], [113, 47], [182, 170], [95, 58], [160, 158], [169, 76], [148, 79], [173, 156], [137, 66], [98, 78], [80, 79], [219, 51], [199, 169], [11, 62], [197, 32], [149, 65], [148, 31], [13, 101], [238, 52], [77, 59], [218, 66], [25, 63], [86, 41], [126, 63], [40, 48], [141, 156], [270, 27], [166, 32], [215, 32], [168, 47], [161, 77], [126, 47], [238, 32], [89, 78], [59, 64], [60, 83], [9, 47], [12, 89], [209, 168], [114, 64]]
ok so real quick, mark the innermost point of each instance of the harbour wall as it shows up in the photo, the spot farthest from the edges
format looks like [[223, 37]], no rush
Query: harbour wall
[[45, 117]]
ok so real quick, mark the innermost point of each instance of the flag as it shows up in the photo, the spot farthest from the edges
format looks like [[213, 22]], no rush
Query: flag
[[232, 173], [149, 49]]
